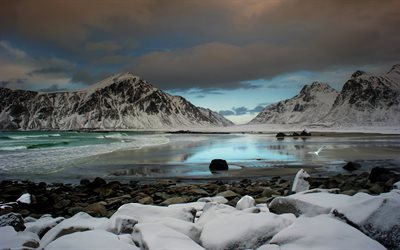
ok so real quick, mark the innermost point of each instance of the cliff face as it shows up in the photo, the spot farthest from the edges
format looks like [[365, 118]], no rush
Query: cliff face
[[122, 101]]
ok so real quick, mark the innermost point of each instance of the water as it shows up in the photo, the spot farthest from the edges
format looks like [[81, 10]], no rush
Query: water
[[69, 156]]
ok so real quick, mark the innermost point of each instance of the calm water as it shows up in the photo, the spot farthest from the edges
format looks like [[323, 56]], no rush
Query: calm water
[[70, 156]]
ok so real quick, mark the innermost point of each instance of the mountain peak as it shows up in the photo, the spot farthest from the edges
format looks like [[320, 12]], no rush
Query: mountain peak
[[113, 79], [315, 86], [358, 73], [395, 69]]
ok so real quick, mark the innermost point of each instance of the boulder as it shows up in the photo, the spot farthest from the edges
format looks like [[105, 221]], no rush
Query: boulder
[[12, 219], [93, 239], [321, 232], [42, 225], [300, 183], [175, 200], [280, 135], [305, 133], [97, 182], [10, 239], [5, 209], [379, 174], [158, 236], [216, 199], [376, 216], [245, 202], [351, 166], [228, 194], [97, 209], [218, 165]]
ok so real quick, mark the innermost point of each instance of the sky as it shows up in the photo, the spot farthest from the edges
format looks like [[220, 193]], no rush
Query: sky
[[232, 56]]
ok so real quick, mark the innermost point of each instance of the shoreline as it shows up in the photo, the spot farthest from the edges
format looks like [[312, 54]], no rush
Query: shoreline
[[101, 198]]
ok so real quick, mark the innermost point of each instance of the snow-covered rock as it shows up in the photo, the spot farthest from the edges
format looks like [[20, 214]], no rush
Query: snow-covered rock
[[42, 225], [12, 219], [310, 105], [122, 101], [321, 232], [242, 230], [10, 239], [128, 215], [77, 223], [216, 117], [376, 216], [396, 185], [308, 203], [93, 239], [25, 198], [158, 236], [217, 199], [245, 202], [299, 182]]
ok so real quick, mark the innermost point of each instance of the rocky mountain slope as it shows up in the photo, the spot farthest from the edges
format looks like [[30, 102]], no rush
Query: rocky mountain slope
[[368, 100], [365, 100], [216, 117], [122, 101], [310, 105]]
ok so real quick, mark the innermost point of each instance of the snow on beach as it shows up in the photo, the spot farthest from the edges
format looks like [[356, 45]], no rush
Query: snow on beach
[[310, 219]]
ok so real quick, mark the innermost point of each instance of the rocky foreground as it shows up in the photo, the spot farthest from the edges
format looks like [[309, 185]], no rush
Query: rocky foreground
[[338, 212]]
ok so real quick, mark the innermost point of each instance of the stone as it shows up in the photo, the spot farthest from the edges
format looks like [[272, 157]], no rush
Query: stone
[[97, 182], [84, 182], [218, 165], [228, 194], [376, 189], [268, 192], [245, 202], [147, 200], [305, 133], [12, 219], [280, 135], [10, 239], [5, 209], [174, 200], [379, 174], [351, 166], [350, 192], [97, 208]]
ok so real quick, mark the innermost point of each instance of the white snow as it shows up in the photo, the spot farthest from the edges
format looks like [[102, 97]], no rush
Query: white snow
[[157, 236], [79, 222], [10, 239], [245, 202], [25, 198], [299, 183], [396, 185], [217, 199], [90, 240], [321, 232], [42, 224]]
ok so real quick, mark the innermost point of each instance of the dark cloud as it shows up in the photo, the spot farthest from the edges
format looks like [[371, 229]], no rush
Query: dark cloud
[[240, 110], [49, 70], [257, 109], [209, 44], [226, 112], [18, 81], [52, 88]]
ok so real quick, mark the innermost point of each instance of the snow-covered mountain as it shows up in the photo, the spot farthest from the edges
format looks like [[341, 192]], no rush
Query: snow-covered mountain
[[216, 117], [122, 101], [365, 100], [310, 105], [368, 99]]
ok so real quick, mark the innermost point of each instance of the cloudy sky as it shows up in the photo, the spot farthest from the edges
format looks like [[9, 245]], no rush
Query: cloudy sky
[[233, 56]]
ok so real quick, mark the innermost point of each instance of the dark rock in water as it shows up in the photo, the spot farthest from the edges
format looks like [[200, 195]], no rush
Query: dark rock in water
[[218, 165], [351, 166], [305, 133], [84, 182], [379, 174], [295, 134], [14, 220], [98, 182], [280, 135]]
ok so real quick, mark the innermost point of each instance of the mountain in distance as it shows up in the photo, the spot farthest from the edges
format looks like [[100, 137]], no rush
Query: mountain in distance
[[365, 100], [122, 101], [368, 99], [219, 119], [310, 105]]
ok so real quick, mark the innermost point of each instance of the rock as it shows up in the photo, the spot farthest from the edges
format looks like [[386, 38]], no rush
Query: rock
[[25, 199], [78, 223], [238, 229], [197, 191], [62, 204], [245, 202], [97, 208], [295, 134], [175, 200], [396, 185], [159, 236], [299, 182], [94, 239], [216, 199], [5, 209], [308, 203], [10, 239], [351, 166], [218, 165], [280, 135], [84, 182], [122, 224], [376, 216], [376, 189], [12, 219], [147, 200], [349, 192], [305, 133], [379, 174], [97, 182], [321, 232], [268, 192], [42, 225], [229, 194]]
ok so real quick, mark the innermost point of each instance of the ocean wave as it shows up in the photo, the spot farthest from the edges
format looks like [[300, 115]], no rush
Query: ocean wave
[[47, 145], [12, 148], [24, 137]]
